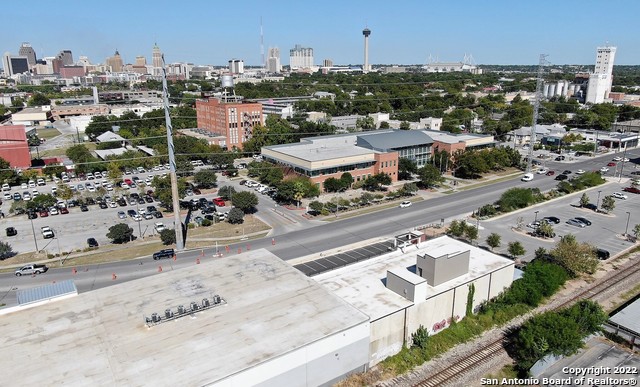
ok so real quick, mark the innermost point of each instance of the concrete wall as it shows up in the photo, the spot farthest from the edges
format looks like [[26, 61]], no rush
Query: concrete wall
[[387, 337], [319, 363], [438, 270]]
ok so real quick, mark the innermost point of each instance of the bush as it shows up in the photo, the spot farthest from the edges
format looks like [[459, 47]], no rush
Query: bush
[[236, 216], [168, 236], [206, 223], [420, 338], [120, 233], [516, 198]]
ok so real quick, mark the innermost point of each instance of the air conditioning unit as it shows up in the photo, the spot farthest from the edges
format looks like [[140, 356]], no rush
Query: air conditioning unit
[[205, 303], [216, 299], [155, 318], [181, 309], [168, 313], [194, 306]]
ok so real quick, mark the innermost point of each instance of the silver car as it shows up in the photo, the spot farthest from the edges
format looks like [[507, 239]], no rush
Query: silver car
[[576, 222]]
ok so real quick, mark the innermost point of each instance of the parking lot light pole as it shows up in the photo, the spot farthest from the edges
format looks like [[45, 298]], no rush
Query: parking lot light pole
[[598, 202], [536, 219], [35, 241], [626, 229]]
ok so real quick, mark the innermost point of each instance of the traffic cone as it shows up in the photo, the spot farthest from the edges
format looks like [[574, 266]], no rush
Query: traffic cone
[[227, 248], [202, 253], [273, 241], [239, 250], [113, 276], [159, 269], [248, 246], [174, 257], [74, 271], [197, 261]]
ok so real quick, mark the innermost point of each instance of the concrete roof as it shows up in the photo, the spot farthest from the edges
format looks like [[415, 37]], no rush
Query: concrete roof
[[104, 153], [109, 136], [100, 338], [451, 138], [323, 148], [361, 284], [386, 141], [629, 317]]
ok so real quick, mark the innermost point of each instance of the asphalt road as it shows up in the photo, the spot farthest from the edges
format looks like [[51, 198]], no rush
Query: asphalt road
[[316, 237]]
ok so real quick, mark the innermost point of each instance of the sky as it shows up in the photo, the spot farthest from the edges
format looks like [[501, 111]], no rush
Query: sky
[[402, 31]]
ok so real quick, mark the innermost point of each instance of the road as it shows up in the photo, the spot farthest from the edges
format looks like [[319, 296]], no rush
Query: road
[[313, 237]]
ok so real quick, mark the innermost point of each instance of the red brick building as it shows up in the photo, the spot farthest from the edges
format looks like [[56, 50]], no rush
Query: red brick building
[[233, 120], [14, 147]]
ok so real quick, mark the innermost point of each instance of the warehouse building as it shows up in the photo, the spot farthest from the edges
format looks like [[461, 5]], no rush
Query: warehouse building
[[247, 320], [424, 283]]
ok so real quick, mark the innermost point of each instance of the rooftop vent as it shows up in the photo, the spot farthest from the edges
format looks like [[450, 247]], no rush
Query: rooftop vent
[[181, 311]]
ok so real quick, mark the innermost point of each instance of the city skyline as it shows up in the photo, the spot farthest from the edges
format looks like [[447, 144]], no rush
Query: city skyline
[[408, 33]]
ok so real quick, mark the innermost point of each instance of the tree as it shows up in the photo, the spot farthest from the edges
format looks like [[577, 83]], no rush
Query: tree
[[471, 233], [236, 216], [346, 179], [584, 200], [245, 200], [205, 178], [608, 203], [493, 240], [162, 190], [384, 125], [6, 250], [575, 257], [43, 200], [457, 228], [168, 236], [365, 123], [7, 174], [429, 176], [406, 168], [636, 230], [516, 249], [332, 185], [316, 206], [38, 99], [545, 230], [120, 233], [227, 192], [404, 125]]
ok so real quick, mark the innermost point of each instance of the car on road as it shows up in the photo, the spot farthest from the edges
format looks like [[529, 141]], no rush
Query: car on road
[[619, 195], [551, 219], [580, 171], [163, 254], [583, 220], [527, 177], [566, 172], [604, 169], [551, 173], [92, 242], [632, 190], [122, 215], [611, 164], [542, 171], [405, 204], [11, 231], [575, 222], [562, 177], [31, 269]]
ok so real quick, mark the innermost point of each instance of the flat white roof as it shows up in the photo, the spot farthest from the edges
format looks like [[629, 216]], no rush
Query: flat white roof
[[323, 148], [99, 338], [361, 284]]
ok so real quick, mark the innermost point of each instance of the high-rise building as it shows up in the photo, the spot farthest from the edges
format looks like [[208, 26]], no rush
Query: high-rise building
[[115, 63], [327, 63], [29, 52], [236, 66], [156, 57], [273, 61], [300, 57], [141, 61], [233, 120], [366, 67], [66, 57], [601, 79], [14, 64]]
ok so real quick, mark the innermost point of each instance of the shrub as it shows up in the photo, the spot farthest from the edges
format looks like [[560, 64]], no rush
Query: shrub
[[168, 236]]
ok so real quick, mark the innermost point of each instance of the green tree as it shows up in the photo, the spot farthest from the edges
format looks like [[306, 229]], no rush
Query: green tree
[[333, 185], [471, 233], [406, 168], [346, 179], [584, 200], [316, 206], [205, 178], [98, 126], [7, 174], [608, 203], [429, 176], [636, 230], [43, 200], [384, 125], [53, 170], [162, 190], [365, 123], [545, 230], [38, 99], [457, 228], [236, 216], [64, 192], [227, 192], [404, 125], [6, 250], [168, 236], [245, 200], [516, 249], [493, 240], [120, 233], [575, 257]]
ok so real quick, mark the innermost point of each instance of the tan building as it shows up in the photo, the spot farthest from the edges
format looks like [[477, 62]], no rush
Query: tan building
[[115, 63], [60, 112], [234, 120]]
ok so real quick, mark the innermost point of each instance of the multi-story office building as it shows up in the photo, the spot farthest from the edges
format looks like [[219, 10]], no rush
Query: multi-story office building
[[156, 56], [14, 64], [300, 57], [234, 120], [27, 51], [66, 57], [273, 61], [115, 63], [601, 78]]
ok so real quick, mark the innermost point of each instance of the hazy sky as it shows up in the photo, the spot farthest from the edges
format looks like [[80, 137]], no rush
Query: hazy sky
[[403, 31]]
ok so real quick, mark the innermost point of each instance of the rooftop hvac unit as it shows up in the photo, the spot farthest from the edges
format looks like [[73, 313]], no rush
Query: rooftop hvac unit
[[216, 299], [205, 302], [194, 306], [155, 318], [181, 309], [168, 313]]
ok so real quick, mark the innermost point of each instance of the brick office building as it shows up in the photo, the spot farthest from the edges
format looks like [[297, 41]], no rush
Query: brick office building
[[233, 120], [14, 147]]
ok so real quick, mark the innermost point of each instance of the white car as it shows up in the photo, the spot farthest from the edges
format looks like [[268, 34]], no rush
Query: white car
[[542, 171], [7, 196], [619, 195], [527, 177], [159, 227], [53, 211], [604, 169], [617, 158], [112, 204], [405, 204], [137, 217], [579, 171]]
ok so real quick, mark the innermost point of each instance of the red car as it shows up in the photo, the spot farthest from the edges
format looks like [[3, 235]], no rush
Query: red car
[[611, 164], [551, 173], [218, 202], [43, 214], [632, 190], [63, 210]]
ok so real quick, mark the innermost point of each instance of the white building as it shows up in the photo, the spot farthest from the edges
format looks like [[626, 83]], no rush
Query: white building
[[601, 79], [301, 57], [246, 320], [425, 283], [236, 66], [273, 60]]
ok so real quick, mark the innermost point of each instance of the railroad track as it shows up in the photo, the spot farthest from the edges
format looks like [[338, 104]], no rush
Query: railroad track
[[493, 349]]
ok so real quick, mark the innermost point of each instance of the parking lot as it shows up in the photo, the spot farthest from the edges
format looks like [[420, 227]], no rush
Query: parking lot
[[605, 232]]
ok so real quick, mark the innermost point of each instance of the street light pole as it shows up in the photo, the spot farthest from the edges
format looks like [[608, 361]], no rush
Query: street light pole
[[598, 202], [626, 230], [536, 219], [35, 241]]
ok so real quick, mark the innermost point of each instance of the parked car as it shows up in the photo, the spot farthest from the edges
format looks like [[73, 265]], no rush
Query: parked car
[[632, 190], [159, 227], [31, 269], [552, 219], [612, 164], [562, 177], [604, 169], [575, 222], [580, 171], [583, 220], [122, 215], [84, 208], [157, 214], [219, 202], [11, 231], [542, 171], [566, 172], [92, 242], [551, 173], [619, 195], [63, 210], [162, 254], [602, 254]]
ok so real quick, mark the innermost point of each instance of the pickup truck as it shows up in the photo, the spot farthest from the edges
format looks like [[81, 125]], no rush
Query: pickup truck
[[47, 232], [31, 269]]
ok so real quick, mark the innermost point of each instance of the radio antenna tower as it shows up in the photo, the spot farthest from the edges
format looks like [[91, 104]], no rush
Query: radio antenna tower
[[536, 108], [177, 222], [262, 63]]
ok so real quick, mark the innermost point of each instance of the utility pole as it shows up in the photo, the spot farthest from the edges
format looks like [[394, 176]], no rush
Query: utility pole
[[536, 108], [177, 223]]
